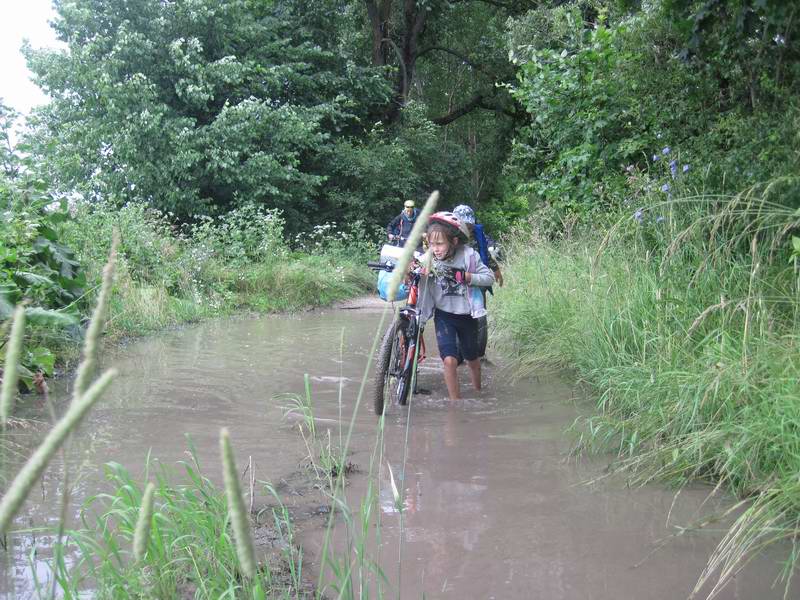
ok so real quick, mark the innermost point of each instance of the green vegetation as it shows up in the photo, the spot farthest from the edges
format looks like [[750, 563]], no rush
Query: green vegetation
[[168, 540], [646, 154], [715, 82], [659, 259], [240, 260], [199, 108], [190, 549], [687, 335]]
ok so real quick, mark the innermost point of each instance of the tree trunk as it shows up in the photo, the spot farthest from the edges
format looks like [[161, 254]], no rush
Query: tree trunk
[[379, 15], [414, 25]]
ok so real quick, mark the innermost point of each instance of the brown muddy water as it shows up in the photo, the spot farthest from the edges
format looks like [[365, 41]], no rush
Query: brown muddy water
[[493, 505]]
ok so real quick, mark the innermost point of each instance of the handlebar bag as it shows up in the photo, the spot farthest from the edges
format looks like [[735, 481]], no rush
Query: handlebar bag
[[391, 253]]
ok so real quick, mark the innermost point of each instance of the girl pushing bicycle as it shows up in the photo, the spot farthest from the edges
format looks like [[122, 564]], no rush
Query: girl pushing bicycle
[[447, 296]]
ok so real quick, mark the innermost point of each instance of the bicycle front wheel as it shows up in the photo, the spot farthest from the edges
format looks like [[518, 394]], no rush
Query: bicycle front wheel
[[392, 378]]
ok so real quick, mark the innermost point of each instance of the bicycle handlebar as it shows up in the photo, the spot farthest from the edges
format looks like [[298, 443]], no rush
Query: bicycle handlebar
[[389, 267], [379, 266]]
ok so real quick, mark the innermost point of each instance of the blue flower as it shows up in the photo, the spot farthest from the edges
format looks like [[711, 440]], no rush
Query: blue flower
[[673, 167], [665, 188], [639, 215], [685, 168], [665, 150], [655, 157], [660, 219]]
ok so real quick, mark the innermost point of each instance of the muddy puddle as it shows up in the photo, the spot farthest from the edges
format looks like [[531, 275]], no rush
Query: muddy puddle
[[493, 507]]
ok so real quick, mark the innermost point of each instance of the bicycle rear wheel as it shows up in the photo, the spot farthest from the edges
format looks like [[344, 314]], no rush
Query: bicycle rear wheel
[[392, 379]]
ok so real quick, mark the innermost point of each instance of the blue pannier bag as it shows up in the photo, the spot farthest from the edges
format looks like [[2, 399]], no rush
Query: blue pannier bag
[[384, 277]]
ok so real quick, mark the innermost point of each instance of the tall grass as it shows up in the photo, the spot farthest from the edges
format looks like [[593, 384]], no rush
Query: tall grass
[[686, 329], [191, 549], [168, 275]]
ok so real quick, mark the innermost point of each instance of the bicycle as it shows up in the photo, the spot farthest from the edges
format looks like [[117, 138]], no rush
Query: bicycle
[[398, 356]]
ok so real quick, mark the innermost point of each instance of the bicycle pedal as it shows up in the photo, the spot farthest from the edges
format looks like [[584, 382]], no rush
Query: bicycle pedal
[[422, 391]]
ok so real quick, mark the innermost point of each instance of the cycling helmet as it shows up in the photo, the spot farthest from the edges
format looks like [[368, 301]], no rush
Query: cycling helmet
[[465, 213], [452, 222]]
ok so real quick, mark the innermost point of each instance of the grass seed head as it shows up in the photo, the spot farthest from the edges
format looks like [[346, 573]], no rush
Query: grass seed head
[[141, 536], [239, 518], [29, 474], [96, 324], [11, 367], [398, 500]]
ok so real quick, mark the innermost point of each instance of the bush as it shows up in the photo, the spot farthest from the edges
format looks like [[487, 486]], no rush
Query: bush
[[149, 247], [37, 267], [246, 234]]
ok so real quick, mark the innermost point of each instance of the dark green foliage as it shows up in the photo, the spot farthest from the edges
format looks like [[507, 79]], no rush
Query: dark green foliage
[[36, 267], [609, 93], [199, 107]]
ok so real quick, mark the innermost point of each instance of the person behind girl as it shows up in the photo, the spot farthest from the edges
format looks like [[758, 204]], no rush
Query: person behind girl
[[446, 295], [480, 240]]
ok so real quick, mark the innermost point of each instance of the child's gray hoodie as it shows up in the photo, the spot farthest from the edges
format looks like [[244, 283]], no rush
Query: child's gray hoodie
[[442, 289]]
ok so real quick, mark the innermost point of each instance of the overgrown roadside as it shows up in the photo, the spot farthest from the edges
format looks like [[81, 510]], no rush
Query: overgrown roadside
[[167, 274], [165, 536], [686, 329]]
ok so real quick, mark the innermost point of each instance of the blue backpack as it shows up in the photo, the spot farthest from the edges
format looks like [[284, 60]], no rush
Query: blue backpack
[[384, 277], [483, 245]]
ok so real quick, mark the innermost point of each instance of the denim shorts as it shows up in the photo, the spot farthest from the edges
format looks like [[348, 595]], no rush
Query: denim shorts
[[454, 333]]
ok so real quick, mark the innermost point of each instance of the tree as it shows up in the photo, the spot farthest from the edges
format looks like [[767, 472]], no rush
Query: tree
[[406, 32], [195, 107]]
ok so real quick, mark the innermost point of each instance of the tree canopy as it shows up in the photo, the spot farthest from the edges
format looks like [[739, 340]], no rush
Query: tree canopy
[[196, 106], [336, 109]]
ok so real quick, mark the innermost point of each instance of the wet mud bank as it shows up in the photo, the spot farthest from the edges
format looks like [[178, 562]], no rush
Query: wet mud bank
[[492, 504]]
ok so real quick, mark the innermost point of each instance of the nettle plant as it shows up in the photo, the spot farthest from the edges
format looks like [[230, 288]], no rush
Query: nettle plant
[[36, 268]]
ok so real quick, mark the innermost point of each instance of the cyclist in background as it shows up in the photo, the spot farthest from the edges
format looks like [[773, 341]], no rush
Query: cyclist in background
[[479, 240], [400, 227]]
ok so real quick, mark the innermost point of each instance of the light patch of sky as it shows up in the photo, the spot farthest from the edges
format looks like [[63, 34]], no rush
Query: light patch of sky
[[23, 20]]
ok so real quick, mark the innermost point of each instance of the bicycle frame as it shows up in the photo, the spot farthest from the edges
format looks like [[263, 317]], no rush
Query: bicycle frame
[[411, 315], [402, 335]]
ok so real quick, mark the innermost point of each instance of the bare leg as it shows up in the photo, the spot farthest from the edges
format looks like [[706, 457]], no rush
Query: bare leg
[[451, 377], [475, 372]]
